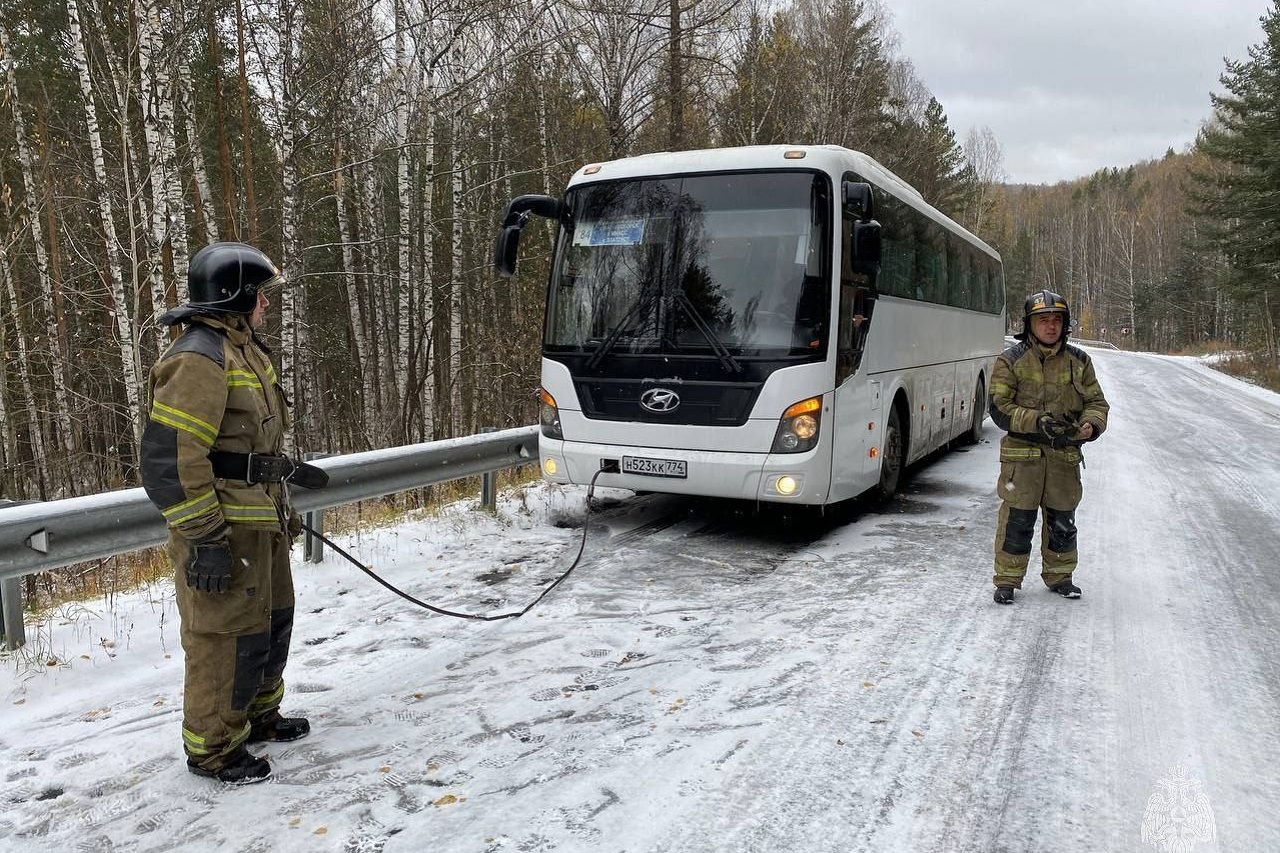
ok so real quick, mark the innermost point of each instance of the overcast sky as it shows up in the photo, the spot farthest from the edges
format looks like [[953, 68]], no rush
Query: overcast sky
[[1069, 88]]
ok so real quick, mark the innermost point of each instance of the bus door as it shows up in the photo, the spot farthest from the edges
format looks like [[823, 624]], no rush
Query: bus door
[[856, 425]]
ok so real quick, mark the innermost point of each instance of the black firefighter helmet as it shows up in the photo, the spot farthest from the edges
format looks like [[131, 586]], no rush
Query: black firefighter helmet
[[224, 278], [1045, 302]]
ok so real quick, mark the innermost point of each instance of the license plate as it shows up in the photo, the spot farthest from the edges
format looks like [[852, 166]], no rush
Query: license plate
[[654, 467]]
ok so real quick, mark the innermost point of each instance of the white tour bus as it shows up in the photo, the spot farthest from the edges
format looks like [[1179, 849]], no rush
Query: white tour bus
[[773, 323]]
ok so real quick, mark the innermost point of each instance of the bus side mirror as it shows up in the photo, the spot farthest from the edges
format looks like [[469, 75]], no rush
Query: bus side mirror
[[520, 207], [866, 248], [504, 252], [517, 213], [858, 198]]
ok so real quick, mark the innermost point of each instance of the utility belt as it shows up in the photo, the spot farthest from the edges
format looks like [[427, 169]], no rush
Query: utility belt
[[1036, 438], [255, 468]]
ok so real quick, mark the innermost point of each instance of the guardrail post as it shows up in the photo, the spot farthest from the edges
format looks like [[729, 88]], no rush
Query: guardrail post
[[489, 484], [15, 630], [312, 546]]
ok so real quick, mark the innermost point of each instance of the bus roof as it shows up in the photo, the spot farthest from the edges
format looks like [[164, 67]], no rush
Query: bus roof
[[833, 159]]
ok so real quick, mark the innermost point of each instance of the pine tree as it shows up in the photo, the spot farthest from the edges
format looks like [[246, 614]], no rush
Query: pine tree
[[932, 161], [1240, 196]]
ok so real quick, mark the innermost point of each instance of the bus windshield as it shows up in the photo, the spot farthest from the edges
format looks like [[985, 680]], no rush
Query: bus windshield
[[730, 264]]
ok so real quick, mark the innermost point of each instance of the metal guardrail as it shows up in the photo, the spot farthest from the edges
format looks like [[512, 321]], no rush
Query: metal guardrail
[[36, 537], [1088, 343]]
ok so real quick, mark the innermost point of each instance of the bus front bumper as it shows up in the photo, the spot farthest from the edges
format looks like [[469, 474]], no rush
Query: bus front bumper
[[799, 478]]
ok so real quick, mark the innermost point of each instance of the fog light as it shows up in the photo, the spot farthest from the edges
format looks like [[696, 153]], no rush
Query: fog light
[[549, 467], [786, 485]]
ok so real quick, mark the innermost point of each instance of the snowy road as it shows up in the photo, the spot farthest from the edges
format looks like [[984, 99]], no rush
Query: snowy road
[[709, 680]]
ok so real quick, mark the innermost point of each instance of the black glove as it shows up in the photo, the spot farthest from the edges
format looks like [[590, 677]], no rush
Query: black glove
[[209, 566], [1058, 431]]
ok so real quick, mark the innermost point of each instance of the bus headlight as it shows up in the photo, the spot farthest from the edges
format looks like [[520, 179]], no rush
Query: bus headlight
[[798, 427], [549, 416]]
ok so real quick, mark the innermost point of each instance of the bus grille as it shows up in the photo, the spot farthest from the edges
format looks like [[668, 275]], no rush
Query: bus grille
[[701, 403]]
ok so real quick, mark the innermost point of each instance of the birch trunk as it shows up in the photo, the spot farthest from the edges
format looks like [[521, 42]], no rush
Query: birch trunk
[[62, 414], [135, 204], [175, 207], [23, 372], [454, 367], [293, 372], [130, 368], [148, 22], [8, 441], [427, 293], [368, 401], [246, 128], [404, 197], [381, 295], [197, 151], [229, 206]]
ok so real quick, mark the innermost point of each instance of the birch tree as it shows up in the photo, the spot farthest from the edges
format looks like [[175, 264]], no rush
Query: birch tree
[[23, 372], [151, 78], [985, 159], [209, 218], [62, 411], [404, 203], [125, 330]]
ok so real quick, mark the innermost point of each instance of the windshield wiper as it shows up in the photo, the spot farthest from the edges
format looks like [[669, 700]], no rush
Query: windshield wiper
[[717, 346], [641, 308]]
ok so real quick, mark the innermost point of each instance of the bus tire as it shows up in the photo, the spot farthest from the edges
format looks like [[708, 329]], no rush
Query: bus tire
[[893, 453], [974, 434]]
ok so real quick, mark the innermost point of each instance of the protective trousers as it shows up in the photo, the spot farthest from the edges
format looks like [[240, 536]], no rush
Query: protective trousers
[[1044, 480], [236, 643]]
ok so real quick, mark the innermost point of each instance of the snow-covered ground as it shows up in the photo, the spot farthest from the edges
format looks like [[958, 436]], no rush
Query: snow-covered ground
[[710, 679]]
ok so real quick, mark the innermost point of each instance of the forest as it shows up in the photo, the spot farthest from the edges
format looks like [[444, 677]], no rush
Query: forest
[[370, 147]]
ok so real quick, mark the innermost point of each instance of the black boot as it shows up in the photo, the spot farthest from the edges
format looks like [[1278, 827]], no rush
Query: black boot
[[274, 727], [240, 767], [1066, 589], [1004, 595]]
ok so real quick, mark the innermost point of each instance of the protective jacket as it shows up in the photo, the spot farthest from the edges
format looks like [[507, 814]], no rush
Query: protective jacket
[[213, 389], [1039, 474], [1030, 379]]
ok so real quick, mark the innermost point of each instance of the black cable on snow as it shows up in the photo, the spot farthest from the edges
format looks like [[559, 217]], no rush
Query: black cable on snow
[[514, 614]]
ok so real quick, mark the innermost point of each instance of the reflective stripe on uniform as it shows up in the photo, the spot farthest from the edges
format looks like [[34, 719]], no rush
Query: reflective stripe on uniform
[[1000, 388], [243, 379], [1019, 454], [197, 745], [206, 433], [194, 743], [193, 508], [250, 512], [268, 700]]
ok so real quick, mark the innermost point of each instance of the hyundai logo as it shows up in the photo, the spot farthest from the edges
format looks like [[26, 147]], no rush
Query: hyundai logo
[[660, 400]]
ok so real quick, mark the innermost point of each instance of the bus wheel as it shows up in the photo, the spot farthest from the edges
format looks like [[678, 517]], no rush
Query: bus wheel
[[891, 456], [974, 434]]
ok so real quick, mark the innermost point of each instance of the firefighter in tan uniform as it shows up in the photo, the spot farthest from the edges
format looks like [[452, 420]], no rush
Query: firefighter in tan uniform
[[212, 465], [1045, 395]]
